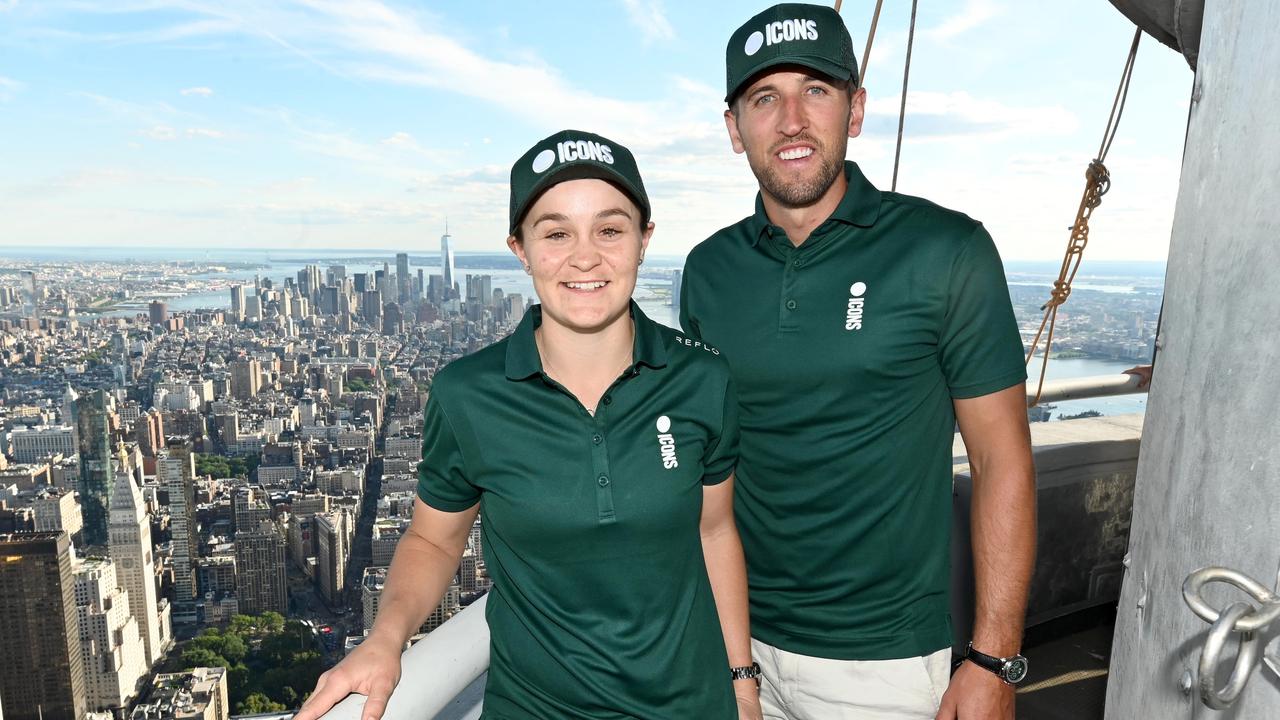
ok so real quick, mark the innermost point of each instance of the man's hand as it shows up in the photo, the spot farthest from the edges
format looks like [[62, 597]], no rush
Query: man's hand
[[373, 669], [976, 694], [748, 704]]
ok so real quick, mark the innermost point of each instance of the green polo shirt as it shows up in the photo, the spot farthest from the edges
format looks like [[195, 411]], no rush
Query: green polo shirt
[[601, 606], [847, 353]]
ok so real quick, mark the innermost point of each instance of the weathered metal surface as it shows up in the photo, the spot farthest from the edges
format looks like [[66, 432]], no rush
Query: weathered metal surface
[[1175, 23], [1208, 490], [1084, 497]]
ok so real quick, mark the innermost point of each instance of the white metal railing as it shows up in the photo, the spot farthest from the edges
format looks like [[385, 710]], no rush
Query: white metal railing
[[1086, 387], [434, 670], [441, 665]]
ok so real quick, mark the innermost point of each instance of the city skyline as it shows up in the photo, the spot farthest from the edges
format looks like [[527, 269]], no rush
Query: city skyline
[[302, 125]]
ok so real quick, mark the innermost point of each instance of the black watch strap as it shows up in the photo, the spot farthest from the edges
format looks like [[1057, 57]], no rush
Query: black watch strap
[[747, 672], [1012, 670]]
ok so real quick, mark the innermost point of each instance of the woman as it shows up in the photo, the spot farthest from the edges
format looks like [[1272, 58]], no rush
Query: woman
[[601, 449]]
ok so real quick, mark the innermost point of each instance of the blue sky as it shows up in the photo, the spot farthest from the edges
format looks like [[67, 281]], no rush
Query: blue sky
[[365, 123]]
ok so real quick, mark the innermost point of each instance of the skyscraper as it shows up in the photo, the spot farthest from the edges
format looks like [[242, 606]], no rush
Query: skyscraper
[[246, 378], [176, 470], [130, 549], [446, 261], [158, 312], [404, 281], [32, 286], [237, 303], [97, 470], [260, 570], [676, 280], [113, 653], [332, 554], [41, 668]]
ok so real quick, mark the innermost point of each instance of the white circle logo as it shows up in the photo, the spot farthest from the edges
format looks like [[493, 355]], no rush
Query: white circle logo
[[664, 424], [544, 160], [754, 42], [857, 289]]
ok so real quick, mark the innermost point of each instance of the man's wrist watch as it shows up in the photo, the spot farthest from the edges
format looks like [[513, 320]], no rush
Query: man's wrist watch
[[1012, 669], [747, 672]]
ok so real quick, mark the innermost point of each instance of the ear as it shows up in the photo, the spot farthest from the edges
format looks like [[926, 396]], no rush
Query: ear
[[735, 138], [517, 248], [644, 238], [857, 111]]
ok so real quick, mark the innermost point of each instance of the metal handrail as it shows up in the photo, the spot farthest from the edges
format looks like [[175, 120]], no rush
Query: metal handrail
[[434, 670], [1088, 387]]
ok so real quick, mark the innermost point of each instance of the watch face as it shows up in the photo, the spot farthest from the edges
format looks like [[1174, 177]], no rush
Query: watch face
[[1015, 670]]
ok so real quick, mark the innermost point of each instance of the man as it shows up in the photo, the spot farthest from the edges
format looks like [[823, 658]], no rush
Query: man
[[860, 326]]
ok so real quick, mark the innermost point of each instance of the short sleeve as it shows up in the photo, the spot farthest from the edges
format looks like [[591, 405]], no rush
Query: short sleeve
[[721, 455], [687, 323], [980, 349], [442, 477]]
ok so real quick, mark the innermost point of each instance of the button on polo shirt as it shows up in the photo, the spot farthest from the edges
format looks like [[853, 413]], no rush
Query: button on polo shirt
[[600, 606], [847, 353]]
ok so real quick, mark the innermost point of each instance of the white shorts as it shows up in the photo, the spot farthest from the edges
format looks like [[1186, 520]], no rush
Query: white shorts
[[800, 687]]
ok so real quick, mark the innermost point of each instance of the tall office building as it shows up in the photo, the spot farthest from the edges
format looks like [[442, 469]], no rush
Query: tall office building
[[246, 378], [41, 668], [260, 570], [404, 281], [176, 471], [676, 280], [97, 464], [237, 303], [446, 262], [158, 312], [113, 653], [333, 551], [249, 508], [32, 288], [148, 432], [392, 319], [131, 551]]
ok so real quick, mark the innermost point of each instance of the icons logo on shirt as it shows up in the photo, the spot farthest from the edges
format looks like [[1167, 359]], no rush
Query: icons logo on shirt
[[781, 31], [667, 443], [853, 312]]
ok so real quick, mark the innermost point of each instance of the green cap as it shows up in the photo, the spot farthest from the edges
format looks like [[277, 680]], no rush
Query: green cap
[[573, 155], [790, 34]]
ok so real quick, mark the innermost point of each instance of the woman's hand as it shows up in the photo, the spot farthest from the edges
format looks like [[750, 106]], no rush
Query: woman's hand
[[372, 669]]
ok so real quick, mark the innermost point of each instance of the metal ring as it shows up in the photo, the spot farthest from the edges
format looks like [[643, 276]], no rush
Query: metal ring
[[1258, 619], [1246, 658]]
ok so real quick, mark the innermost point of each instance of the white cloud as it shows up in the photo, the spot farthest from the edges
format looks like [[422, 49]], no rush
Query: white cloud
[[7, 5], [650, 18], [8, 87], [973, 14], [161, 132], [401, 139], [945, 116], [205, 133], [201, 91]]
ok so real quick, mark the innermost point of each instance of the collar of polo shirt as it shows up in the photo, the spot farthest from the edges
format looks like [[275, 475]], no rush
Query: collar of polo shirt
[[523, 360], [860, 205]]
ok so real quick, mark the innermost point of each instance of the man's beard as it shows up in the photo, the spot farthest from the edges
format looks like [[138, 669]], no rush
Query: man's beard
[[803, 192]]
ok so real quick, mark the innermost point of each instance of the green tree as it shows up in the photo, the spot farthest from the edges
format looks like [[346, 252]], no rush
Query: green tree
[[258, 703], [273, 622], [234, 648], [202, 657]]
